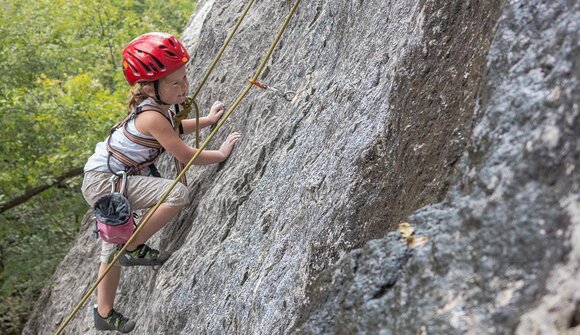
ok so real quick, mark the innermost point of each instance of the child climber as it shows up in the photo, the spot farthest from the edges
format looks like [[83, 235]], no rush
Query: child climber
[[156, 61]]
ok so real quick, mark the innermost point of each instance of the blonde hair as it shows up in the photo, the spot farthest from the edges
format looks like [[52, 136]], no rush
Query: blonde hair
[[137, 96]]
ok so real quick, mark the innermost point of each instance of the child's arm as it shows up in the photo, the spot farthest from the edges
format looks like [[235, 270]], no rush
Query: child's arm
[[215, 113], [154, 124]]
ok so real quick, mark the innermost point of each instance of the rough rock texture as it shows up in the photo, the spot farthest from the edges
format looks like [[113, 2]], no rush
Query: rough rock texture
[[460, 117]]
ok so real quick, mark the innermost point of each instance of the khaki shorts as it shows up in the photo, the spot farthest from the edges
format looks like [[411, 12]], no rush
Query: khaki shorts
[[142, 192]]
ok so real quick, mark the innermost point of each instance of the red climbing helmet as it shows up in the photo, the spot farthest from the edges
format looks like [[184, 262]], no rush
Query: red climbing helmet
[[152, 56]]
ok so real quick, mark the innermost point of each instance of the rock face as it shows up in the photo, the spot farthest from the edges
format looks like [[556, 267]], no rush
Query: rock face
[[460, 117]]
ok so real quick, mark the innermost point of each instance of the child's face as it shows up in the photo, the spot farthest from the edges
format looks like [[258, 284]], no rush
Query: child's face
[[173, 88]]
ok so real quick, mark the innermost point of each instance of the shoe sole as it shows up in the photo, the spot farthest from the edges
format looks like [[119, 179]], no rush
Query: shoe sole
[[100, 324], [124, 262]]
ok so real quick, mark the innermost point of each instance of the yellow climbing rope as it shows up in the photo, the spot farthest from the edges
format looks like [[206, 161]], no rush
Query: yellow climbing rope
[[240, 97], [190, 101]]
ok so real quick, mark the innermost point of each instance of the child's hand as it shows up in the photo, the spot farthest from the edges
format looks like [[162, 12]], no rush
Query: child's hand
[[216, 112], [228, 145]]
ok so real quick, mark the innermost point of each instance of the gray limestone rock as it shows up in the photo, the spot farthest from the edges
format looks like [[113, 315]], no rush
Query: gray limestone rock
[[460, 117]]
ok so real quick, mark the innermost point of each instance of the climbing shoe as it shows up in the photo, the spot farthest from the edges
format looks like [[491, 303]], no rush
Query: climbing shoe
[[113, 321], [144, 255]]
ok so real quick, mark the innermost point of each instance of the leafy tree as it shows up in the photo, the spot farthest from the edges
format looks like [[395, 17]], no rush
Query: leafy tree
[[61, 89]]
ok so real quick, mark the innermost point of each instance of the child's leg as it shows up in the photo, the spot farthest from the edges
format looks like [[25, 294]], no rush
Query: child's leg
[[158, 220], [145, 192], [106, 292], [95, 186], [107, 289]]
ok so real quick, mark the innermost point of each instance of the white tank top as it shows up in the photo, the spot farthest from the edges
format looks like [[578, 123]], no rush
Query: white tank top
[[136, 152]]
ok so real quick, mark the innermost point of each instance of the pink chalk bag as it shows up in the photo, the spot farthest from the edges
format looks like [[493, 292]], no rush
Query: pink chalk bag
[[113, 214]]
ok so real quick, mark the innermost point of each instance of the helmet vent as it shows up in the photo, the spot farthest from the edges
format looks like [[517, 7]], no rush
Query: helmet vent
[[145, 67], [170, 53], [158, 62], [133, 68]]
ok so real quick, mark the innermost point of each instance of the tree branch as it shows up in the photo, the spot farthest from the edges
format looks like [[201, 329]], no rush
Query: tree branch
[[37, 190]]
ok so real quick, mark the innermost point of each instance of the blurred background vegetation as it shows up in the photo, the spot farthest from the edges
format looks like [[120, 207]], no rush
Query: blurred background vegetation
[[61, 89]]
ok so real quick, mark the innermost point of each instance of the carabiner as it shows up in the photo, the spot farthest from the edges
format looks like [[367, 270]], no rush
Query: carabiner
[[288, 95], [113, 181]]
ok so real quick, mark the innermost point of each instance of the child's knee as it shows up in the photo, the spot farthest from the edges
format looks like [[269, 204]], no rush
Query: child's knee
[[179, 196], [108, 252]]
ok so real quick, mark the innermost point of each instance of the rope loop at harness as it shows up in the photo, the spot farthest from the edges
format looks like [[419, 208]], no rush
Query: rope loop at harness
[[187, 106]]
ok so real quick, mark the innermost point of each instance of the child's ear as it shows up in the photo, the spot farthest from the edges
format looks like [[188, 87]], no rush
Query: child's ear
[[148, 88]]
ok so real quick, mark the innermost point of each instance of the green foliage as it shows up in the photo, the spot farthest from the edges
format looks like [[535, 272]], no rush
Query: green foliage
[[62, 86], [35, 237], [61, 89], [34, 242], [13, 313]]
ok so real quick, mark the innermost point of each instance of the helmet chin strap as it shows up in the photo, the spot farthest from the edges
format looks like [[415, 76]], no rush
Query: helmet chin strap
[[157, 96], [158, 100]]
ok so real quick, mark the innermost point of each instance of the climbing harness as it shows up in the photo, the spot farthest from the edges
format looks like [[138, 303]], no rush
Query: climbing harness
[[226, 115], [288, 95], [134, 167]]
